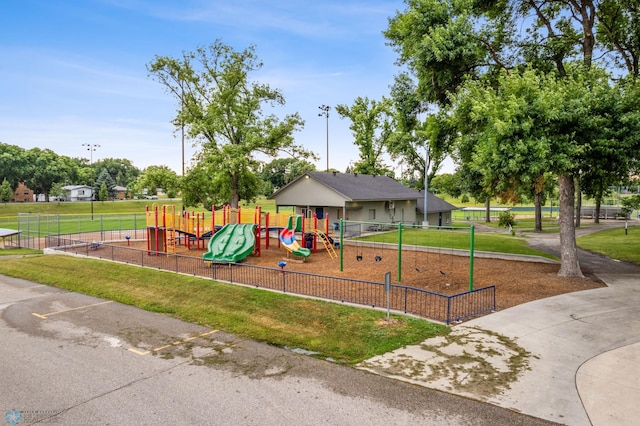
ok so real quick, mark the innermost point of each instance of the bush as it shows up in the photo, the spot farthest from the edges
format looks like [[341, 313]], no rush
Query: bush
[[464, 199], [506, 220]]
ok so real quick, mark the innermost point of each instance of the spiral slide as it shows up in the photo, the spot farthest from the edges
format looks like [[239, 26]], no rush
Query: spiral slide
[[232, 243], [288, 238]]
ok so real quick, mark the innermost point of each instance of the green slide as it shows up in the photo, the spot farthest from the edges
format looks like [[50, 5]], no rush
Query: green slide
[[232, 243]]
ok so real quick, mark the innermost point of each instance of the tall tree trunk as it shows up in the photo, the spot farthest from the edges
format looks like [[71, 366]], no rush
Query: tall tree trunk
[[235, 193], [578, 191], [487, 213], [537, 201], [596, 214], [569, 265]]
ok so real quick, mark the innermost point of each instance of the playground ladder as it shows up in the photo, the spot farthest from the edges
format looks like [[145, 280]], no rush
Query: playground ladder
[[171, 243], [327, 244]]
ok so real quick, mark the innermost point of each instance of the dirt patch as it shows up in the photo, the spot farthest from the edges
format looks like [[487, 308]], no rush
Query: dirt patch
[[468, 361], [516, 282]]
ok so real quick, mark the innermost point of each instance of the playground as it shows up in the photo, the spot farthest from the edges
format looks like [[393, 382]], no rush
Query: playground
[[437, 271]]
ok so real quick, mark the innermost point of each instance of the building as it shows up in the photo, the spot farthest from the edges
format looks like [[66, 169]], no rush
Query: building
[[22, 194], [357, 197], [78, 192]]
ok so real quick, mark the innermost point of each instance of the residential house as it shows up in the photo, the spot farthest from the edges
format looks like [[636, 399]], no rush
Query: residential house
[[78, 192], [22, 194], [120, 192]]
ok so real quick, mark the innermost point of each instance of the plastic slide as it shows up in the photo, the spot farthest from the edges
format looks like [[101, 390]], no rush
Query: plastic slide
[[288, 238], [232, 243]]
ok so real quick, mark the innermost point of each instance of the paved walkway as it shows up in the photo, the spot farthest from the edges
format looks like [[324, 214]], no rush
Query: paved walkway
[[575, 358]]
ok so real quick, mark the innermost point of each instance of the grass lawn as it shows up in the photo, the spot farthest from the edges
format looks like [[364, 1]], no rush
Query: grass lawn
[[344, 333], [459, 238], [73, 217], [614, 243], [108, 207], [18, 252]]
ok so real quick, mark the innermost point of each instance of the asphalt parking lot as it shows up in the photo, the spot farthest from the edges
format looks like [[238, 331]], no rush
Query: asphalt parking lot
[[73, 359]]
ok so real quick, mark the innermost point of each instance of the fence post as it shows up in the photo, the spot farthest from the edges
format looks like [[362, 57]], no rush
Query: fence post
[[341, 243], [405, 299], [400, 252], [471, 245]]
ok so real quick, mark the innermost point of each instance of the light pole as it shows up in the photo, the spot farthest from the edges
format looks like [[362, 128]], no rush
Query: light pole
[[325, 112], [426, 186], [91, 147]]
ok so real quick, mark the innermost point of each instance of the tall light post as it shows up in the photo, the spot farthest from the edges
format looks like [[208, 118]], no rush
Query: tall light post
[[91, 147], [325, 112], [426, 186]]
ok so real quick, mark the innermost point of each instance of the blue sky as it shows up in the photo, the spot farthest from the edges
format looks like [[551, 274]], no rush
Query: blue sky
[[74, 71]]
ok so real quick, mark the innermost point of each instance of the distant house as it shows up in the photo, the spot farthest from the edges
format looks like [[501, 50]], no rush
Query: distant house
[[78, 193], [120, 192], [366, 198], [22, 194]]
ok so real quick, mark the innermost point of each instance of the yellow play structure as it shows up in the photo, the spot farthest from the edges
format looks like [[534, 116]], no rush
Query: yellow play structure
[[166, 228]]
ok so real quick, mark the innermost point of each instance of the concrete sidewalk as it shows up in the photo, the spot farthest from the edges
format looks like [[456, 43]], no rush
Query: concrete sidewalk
[[571, 359], [577, 342], [574, 362]]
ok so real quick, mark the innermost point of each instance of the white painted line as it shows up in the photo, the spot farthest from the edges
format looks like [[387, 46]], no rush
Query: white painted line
[[44, 316]]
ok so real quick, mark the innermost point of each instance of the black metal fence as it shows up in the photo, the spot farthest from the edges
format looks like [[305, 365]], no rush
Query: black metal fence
[[405, 299]]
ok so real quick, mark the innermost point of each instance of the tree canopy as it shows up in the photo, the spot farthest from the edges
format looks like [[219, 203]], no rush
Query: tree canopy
[[498, 61], [372, 124], [223, 112]]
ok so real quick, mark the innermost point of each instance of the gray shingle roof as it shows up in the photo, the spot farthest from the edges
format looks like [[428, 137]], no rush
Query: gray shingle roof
[[357, 187], [434, 204]]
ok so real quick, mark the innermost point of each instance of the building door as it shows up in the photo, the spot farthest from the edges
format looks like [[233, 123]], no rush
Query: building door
[[320, 212]]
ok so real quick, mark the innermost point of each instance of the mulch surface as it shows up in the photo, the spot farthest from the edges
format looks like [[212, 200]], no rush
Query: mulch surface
[[516, 282]]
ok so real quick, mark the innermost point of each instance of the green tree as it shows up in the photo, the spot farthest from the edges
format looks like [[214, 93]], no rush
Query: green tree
[[223, 111], [414, 137], [445, 42], [103, 194], [371, 125], [511, 147], [121, 170], [13, 164], [104, 178], [281, 171], [43, 169], [6, 192], [58, 191], [154, 177], [447, 183]]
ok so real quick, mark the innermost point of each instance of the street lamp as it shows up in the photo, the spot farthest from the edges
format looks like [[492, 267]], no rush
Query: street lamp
[[91, 147], [325, 112]]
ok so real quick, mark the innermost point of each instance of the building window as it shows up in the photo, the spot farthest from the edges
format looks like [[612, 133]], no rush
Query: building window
[[81, 192], [372, 214]]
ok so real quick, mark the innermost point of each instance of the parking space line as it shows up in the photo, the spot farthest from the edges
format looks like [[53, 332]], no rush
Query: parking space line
[[188, 339], [45, 316]]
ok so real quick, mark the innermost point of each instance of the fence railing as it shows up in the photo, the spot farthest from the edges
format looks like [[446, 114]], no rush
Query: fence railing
[[408, 300]]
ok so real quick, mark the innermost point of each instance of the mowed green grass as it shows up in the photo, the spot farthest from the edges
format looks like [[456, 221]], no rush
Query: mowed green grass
[[614, 243], [74, 217], [346, 334], [458, 238]]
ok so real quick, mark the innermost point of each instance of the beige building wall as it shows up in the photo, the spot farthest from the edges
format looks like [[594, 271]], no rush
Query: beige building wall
[[308, 192]]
